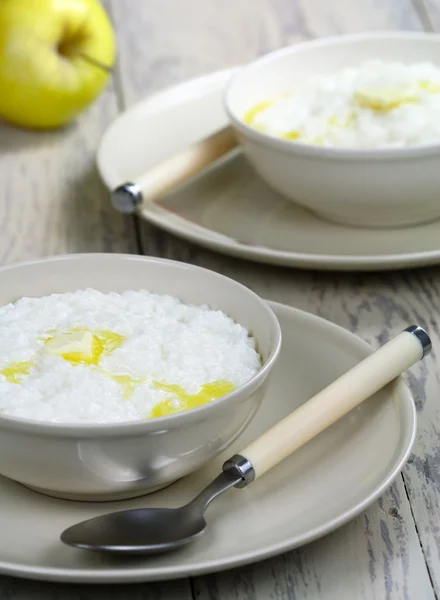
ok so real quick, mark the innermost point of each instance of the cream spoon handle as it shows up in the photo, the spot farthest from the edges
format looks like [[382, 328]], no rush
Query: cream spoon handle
[[333, 402], [156, 182]]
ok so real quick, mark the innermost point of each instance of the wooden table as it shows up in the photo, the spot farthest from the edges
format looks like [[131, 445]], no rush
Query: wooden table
[[52, 201]]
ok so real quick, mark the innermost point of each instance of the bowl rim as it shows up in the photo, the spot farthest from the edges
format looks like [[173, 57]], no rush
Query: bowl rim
[[158, 424], [304, 149]]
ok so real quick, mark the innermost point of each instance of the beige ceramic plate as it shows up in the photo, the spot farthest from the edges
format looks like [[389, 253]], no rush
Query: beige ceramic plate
[[230, 209], [326, 483]]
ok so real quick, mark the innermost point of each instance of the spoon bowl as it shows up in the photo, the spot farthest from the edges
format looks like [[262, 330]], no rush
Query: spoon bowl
[[149, 530], [124, 532]]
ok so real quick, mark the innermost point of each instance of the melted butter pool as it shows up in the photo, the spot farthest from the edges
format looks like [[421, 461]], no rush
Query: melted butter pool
[[128, 383], [16, 370], [384, 100], [81, 346], [185, 401]]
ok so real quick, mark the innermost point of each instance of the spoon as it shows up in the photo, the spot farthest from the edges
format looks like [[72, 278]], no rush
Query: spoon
[[155, 530]]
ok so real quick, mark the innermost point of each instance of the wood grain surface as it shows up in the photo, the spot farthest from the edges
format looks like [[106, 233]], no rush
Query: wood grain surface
[[51, 201]]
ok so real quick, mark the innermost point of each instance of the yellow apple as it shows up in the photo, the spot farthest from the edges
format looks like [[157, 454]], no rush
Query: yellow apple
[[55, 58]]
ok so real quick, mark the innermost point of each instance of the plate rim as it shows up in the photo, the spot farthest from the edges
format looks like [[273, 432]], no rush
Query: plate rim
[[180, 227], [139, 574]]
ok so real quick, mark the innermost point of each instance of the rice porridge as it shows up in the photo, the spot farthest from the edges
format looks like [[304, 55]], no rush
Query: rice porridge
[[92, 357], [376, 105]]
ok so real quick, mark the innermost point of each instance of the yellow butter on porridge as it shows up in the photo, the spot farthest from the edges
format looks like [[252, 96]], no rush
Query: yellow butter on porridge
[[377, 104], [92, 357]]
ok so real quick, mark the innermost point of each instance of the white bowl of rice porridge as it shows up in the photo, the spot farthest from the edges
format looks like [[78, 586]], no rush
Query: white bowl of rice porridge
[[120, 374], [348, 127]]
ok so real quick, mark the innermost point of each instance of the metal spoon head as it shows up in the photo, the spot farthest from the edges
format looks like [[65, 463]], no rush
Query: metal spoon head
[[138, 531], [149, 530]]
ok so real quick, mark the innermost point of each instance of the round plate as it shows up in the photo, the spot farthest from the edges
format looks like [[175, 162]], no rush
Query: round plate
[[229, 209], [324, 484]]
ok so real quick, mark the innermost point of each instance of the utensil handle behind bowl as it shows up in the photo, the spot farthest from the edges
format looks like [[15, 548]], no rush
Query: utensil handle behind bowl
[[176, 170], [341, 396]]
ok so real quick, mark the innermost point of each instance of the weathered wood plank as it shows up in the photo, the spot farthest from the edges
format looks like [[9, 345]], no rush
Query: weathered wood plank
[[429, 13], [20, 589], [317, 18], [378, 555], [162, 43], [51, 198]]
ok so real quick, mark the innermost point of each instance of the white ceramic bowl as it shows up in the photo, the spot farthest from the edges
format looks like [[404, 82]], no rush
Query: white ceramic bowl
[[376, 188], [106, 462]]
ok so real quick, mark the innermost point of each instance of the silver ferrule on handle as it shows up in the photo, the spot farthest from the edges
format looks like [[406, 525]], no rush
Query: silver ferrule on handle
[[423, 338], [126, 198], [239, 465]]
